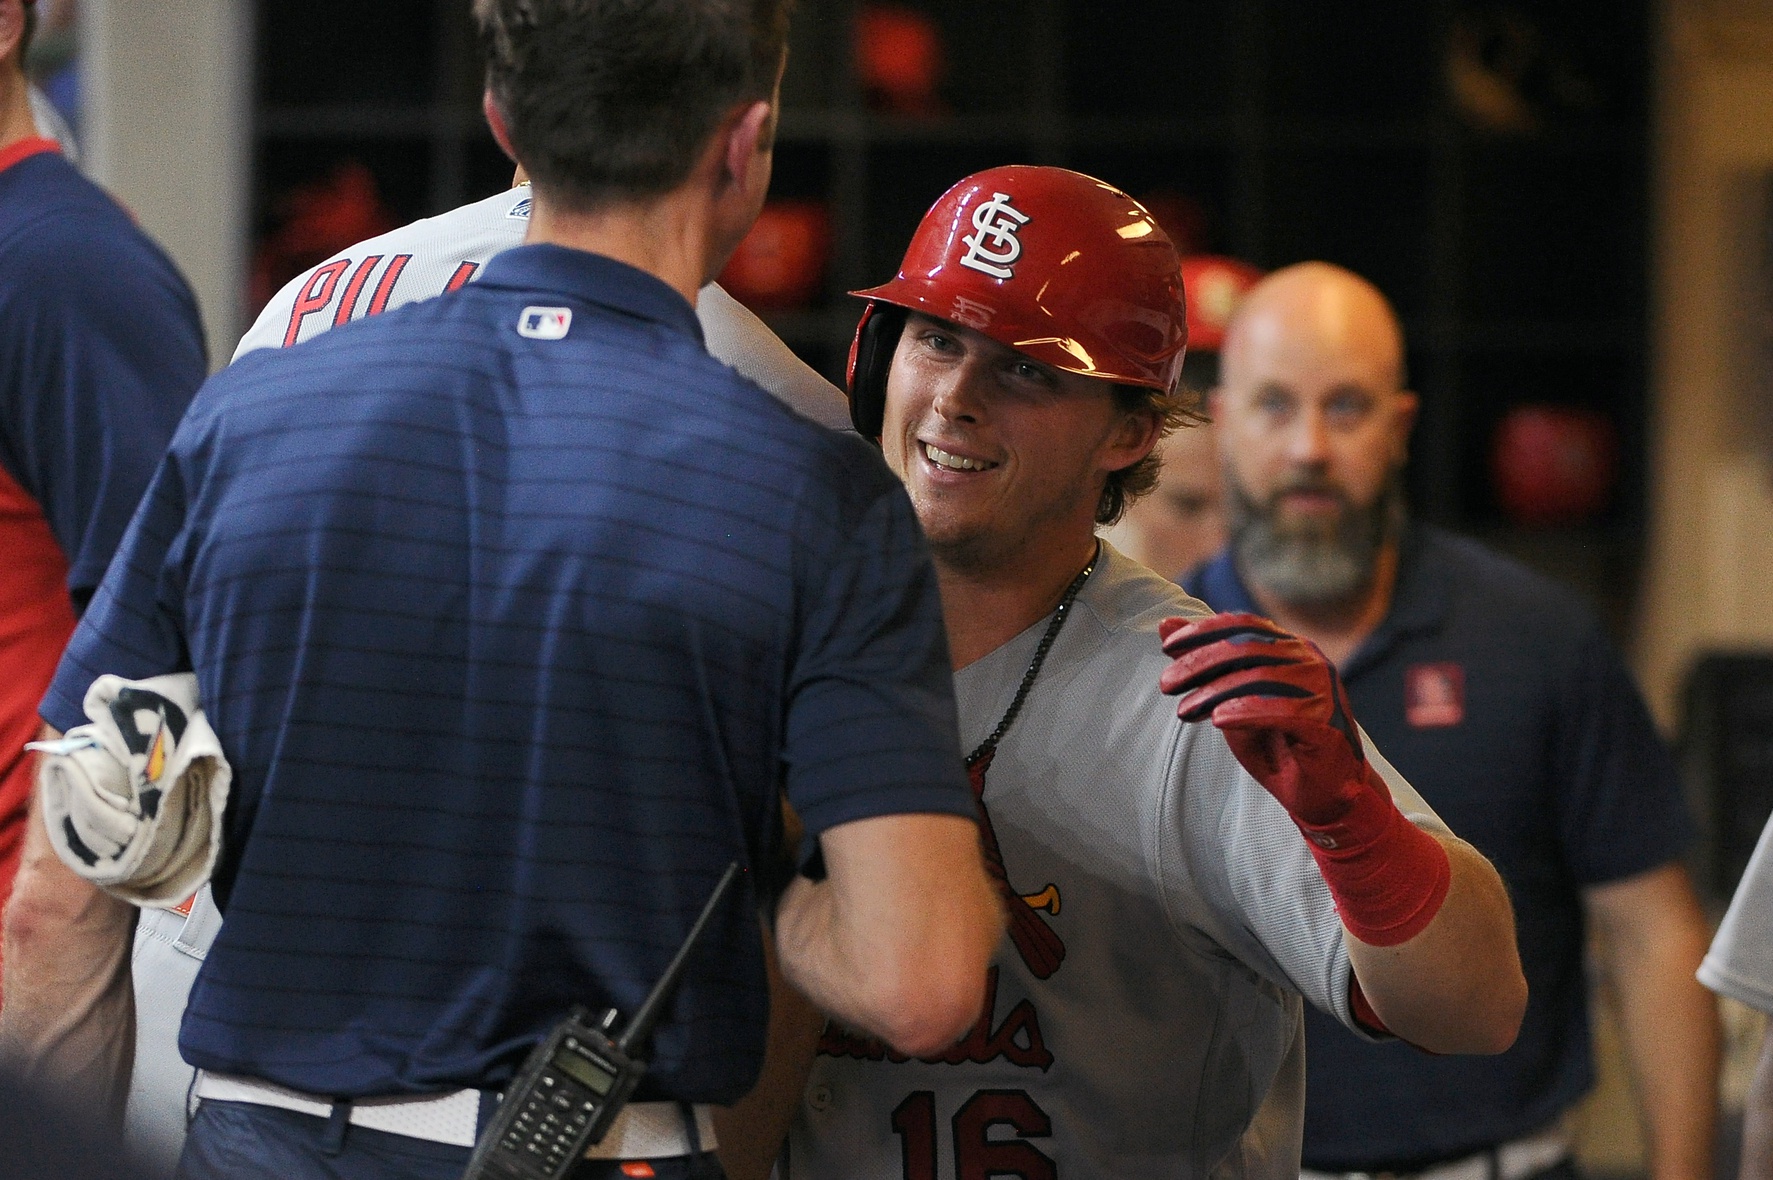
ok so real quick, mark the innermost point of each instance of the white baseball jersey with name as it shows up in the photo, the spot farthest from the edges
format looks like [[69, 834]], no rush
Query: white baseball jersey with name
[[1143, 1016], [443, 253], [419, 261]]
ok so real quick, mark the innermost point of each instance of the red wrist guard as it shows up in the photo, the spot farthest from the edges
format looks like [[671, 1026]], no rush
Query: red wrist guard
[[1387, 876]]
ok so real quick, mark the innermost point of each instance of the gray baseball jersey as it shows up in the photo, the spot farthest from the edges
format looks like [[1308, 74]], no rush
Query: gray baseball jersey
[[1740, 962], [417, 261], [1144, 1014]]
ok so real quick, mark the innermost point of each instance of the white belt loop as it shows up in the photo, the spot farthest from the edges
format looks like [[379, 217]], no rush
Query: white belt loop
[[644, 1130]]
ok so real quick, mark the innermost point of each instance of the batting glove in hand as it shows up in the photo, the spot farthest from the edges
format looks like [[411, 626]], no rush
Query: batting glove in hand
[[1285, 715], [1283, 712]]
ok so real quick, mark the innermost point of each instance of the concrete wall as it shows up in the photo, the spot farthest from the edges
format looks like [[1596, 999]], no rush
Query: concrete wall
[[166, 129], [1709, 575]]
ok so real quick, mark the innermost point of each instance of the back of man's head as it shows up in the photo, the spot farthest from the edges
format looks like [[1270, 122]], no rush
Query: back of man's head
[[611, 100]]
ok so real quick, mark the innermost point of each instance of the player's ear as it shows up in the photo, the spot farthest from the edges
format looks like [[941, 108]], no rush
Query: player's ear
[[750, 138], [1137, 433], [495, 119]]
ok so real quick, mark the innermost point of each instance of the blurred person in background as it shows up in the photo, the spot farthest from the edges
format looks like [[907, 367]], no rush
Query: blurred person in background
[[101, 349], [1182, 522], [1498, 694]]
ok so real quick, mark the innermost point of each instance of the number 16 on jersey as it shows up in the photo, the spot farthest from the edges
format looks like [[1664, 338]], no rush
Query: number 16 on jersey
[[989, 1137]]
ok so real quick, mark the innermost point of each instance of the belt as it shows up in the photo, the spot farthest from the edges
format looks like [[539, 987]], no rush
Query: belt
[[1515, 1160], [644, 1130]]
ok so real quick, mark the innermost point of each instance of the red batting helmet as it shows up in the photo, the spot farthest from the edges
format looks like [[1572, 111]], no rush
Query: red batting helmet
[[1055, 264]]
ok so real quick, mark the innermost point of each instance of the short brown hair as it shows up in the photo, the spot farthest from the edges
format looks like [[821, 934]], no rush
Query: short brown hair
[[1181, 406], [611, 100]]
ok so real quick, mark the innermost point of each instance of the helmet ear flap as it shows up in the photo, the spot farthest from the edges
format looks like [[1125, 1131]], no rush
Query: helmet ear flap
[[871, 356]]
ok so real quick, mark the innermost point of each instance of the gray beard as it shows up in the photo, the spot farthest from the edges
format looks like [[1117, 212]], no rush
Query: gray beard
[[1313, 568]]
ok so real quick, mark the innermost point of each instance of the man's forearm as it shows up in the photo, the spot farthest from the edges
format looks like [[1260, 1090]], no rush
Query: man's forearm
[[68, 1021], [823, 958], [896, 940], [1653, 936], [1456, 987]]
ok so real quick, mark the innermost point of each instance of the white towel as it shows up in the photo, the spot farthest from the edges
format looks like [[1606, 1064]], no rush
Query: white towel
[[133, 802]]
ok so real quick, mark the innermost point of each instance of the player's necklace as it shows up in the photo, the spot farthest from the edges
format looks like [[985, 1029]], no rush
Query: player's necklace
[[980, 759]]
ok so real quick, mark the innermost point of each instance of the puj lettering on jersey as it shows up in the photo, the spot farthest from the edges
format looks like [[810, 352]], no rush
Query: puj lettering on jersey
[[994, 247], [545, 323], [1016, 1039]]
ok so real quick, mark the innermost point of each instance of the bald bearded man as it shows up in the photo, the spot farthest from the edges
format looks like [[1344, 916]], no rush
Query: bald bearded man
[[1498, 695]]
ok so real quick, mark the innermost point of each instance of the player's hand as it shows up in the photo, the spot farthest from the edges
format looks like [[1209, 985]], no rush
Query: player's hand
[[1283, 712]]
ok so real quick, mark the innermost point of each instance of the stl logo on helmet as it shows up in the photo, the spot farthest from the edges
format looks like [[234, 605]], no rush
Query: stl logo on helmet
[[997, 223]]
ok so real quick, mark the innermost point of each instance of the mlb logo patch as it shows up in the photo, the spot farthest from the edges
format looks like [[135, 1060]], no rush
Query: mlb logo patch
[[519, 211], [1434, 695], [545, 323]]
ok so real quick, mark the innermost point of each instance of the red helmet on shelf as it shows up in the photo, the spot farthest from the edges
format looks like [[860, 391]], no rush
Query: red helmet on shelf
[[1057, 265], [1216, 285]]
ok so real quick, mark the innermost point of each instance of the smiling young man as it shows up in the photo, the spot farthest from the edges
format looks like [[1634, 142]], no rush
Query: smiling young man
[[1498, 693], [1167, 916]]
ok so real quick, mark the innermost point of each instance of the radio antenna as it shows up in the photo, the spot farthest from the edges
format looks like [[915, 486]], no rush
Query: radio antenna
[[653, 1006]]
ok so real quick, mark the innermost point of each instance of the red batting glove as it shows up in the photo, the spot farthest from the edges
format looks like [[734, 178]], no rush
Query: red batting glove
[[1285, 715]]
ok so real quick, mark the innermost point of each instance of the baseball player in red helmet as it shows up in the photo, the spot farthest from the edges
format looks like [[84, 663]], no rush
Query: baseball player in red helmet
[[1176, 887]]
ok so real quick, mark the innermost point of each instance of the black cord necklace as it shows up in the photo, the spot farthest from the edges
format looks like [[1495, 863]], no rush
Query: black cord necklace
[[988, 747]]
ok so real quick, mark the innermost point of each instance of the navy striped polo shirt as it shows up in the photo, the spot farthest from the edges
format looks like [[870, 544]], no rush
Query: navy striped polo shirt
[[515, 611]]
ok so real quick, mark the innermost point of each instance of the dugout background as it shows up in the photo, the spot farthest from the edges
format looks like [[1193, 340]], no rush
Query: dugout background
[[1515, 252]]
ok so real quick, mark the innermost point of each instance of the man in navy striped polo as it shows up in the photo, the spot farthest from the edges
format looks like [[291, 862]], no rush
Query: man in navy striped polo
[[515, 612]]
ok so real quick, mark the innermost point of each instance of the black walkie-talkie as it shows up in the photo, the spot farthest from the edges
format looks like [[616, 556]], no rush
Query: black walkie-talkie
[[574, 1084]]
